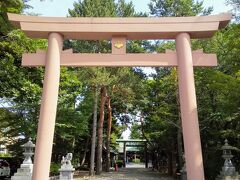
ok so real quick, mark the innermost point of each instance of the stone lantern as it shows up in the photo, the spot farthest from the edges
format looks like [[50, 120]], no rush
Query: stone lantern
[[228, 170], [28, 151], [25, 170]]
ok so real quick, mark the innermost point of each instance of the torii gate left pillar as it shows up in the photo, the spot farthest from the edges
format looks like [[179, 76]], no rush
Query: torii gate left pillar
[[119, 29], [46, 124]]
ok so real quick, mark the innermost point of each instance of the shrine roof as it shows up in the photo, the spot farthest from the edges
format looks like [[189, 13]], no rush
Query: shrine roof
[[133, 28]]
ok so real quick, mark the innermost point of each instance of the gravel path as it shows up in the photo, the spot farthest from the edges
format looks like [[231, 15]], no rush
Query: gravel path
[[130, 173]]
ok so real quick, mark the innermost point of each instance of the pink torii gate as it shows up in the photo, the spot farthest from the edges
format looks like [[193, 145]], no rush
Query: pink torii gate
[[118, 30]]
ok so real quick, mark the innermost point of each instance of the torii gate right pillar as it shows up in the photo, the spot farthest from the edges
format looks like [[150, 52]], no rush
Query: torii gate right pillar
[[188, 106]]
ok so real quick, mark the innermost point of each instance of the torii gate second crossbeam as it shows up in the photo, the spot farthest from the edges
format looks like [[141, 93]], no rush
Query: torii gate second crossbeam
[[118, 30]]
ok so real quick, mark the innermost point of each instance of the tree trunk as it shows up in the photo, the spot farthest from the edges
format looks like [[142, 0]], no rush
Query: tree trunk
[[143, 132], [179, 137], [179, 131], [170, 165], [94, 133], [108, 160], [180, 146], [85, 152], [100, 131]]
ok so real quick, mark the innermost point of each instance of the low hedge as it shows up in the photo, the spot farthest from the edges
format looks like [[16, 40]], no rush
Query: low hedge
[[54, 169], [136, 160], [120, 163]]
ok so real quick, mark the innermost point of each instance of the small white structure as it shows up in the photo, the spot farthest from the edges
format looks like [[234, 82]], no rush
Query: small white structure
[[66, 171], [25, 170]]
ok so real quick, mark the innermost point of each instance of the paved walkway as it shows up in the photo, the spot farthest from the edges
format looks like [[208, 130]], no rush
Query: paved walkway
[[130, 173]]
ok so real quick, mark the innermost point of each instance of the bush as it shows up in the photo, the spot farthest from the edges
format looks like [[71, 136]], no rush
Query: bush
[[5, 155], [136, 160], [120, 163], [54, 169]]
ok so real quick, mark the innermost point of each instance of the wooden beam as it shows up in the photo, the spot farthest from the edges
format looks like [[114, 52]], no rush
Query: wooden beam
[[168, 59], [91, 28]]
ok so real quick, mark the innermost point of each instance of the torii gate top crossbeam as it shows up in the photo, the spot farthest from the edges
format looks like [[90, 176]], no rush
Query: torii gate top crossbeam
[[88, 28]]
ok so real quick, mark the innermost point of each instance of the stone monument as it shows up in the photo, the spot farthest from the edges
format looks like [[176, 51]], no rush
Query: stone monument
[[66, 171], [228, 171], [25, 170]]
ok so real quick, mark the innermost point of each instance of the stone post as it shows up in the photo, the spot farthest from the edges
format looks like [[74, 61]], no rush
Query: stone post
[[124, 154]]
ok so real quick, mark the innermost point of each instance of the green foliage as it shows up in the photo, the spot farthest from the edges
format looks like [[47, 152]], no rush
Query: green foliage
[[125, 9], [136, 160], [236, 6], [54, 169], [5, 155], [178, 8], [11, 6], [120, 163], [135, 131], [20, 87], [96, 8]]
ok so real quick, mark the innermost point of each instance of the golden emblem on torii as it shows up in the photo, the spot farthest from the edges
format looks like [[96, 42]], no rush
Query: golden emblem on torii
[[118, 45]]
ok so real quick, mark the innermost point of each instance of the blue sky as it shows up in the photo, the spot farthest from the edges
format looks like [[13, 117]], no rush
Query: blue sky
[[60, 7]]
